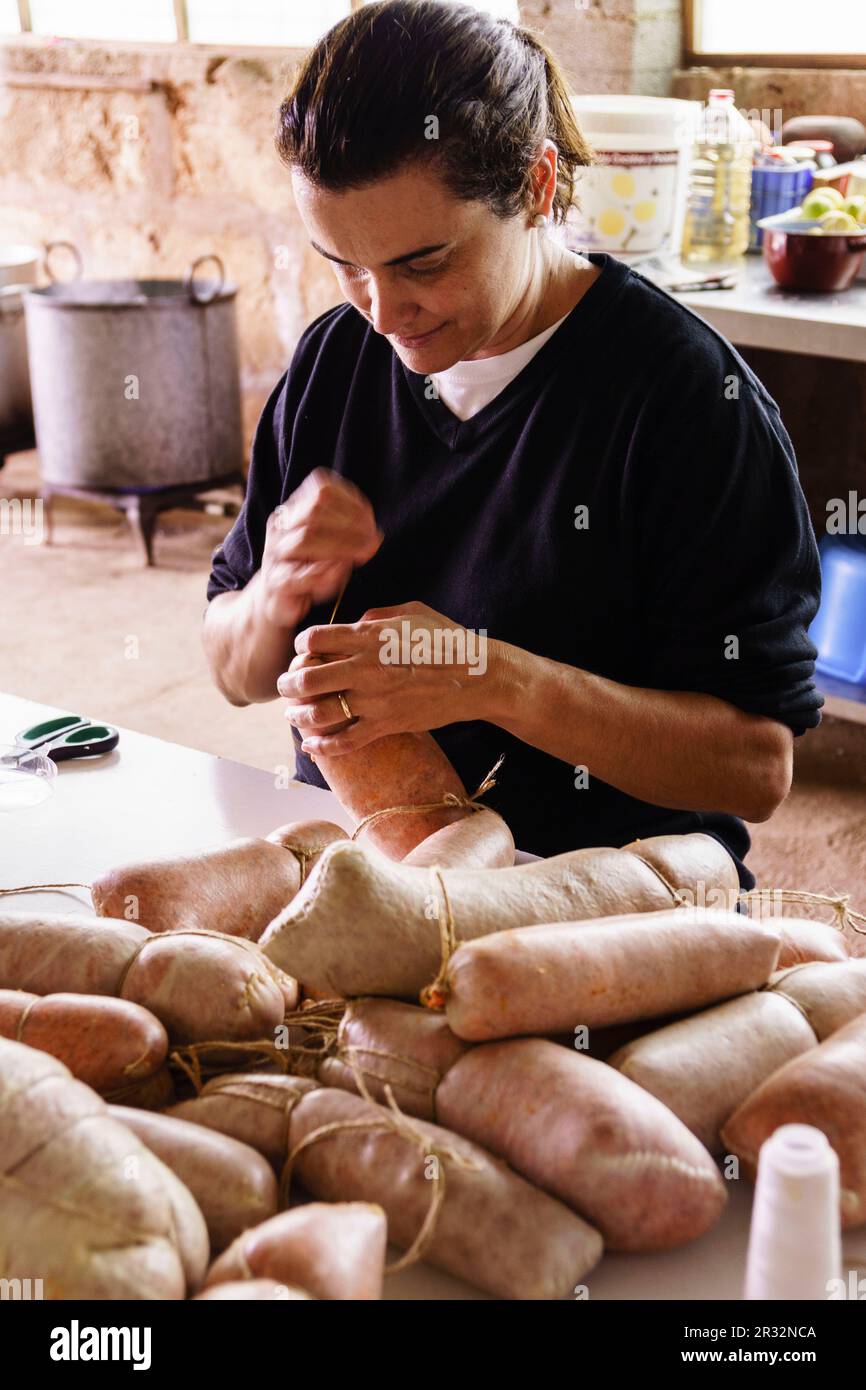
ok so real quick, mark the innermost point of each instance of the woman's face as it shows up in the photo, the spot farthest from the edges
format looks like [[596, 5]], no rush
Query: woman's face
[[443, 279]]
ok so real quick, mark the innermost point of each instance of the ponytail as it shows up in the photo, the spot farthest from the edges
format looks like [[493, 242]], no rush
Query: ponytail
[[441, 85]]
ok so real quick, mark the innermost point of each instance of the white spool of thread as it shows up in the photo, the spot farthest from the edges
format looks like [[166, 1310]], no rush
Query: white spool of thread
[[795, 1242]]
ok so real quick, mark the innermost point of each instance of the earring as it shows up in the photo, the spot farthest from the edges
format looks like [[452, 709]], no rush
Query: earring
[[539, 220]]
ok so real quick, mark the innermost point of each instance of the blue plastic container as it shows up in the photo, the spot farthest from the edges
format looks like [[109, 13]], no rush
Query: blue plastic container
[[839, 629], [775, 189]]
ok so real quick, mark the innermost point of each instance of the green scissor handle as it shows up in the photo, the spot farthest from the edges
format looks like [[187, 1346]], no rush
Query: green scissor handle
[[68, 736], [41, 733]]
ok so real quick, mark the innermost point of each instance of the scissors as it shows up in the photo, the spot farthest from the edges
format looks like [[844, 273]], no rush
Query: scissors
[[68, 736]]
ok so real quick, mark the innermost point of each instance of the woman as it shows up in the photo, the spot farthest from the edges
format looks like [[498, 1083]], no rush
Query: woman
[[540, 447]]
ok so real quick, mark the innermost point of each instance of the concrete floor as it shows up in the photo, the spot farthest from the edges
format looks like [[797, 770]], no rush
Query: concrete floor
[[90, 629]]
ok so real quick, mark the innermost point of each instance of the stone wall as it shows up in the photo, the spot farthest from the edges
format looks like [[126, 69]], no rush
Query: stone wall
[[147, 156], [793, 91], [611, 45]]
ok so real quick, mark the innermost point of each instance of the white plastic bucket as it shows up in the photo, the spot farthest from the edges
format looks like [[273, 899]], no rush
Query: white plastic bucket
[[19, 265], [632, 200]]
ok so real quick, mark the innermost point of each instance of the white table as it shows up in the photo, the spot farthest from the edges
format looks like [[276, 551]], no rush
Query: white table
[[150, 797]]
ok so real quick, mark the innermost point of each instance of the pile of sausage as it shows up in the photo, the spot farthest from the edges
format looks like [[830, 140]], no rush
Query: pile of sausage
[[591, 1039]]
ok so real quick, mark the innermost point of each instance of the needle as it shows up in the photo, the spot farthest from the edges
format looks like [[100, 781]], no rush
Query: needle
[[330, 620], [339, 601]]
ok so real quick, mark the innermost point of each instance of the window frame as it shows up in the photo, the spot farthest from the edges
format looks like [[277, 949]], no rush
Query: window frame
[[699, 59], [181, 23]]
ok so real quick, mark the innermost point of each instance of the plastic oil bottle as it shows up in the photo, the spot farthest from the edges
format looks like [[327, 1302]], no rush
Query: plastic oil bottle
[[716, 226]]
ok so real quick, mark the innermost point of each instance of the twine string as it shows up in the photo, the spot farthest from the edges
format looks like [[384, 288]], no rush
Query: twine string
[[305, 854], [284, 1104], [196, 1058], [435, 995], [775, 989], [321, 1022], [840, 903], [390, 1118], [450, 799], [40, 887], [25, 1014], [679, 899], [302, 1058], [429, 1075], [190, 1069], [338, 601]]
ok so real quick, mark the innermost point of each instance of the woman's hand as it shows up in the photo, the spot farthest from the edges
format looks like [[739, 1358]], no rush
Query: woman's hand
[[313, 541], [406, 669]]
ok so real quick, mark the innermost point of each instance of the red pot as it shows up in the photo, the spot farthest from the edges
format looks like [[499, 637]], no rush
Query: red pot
[[810, 261]]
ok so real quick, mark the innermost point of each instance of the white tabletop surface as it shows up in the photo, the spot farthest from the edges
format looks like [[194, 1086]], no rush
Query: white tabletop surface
[[150, 797], [758, 313]]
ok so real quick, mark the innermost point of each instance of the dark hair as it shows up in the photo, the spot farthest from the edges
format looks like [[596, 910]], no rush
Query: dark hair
[[363, 99]]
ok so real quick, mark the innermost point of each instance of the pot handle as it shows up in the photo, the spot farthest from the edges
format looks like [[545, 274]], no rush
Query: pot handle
[[197, 296], [50, 248]]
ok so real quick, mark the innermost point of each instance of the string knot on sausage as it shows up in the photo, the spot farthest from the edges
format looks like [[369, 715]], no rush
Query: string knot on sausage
[[844, 913], [390, 1117], [468, 803]]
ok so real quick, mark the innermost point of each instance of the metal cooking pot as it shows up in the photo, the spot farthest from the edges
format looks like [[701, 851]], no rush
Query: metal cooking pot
[[135, 382], [19, 268]]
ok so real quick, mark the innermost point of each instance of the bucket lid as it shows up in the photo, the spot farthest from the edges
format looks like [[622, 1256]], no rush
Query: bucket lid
[[128, 294], [14, 255], [636, 115]]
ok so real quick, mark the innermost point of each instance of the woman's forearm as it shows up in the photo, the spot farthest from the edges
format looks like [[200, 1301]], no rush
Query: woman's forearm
[[245, 652], [678, 749]]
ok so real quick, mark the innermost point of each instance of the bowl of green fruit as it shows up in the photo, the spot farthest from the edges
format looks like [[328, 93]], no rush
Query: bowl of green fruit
[[819, 245]]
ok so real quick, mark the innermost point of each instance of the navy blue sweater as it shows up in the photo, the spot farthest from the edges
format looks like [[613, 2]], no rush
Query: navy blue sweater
[[696, 529]]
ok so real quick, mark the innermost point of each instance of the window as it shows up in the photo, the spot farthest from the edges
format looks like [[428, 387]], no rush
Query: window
[[783, 33], [252, 23], [287, 23], [9, 17], [500, 9], [104, 19]]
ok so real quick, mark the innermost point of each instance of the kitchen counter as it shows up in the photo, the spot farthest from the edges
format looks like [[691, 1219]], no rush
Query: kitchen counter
[[758, 314]]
